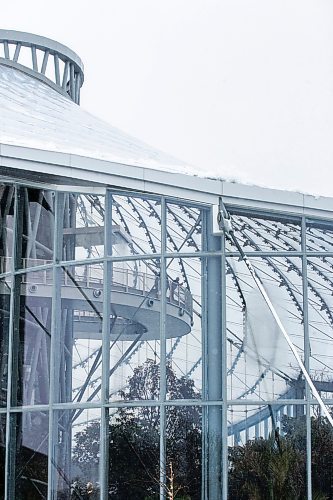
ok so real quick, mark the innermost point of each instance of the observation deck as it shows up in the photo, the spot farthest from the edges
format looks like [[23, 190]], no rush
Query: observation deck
[[135, 300], [44, 59]]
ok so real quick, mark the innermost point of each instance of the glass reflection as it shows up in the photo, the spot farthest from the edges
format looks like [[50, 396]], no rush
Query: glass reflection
[[79, 335], [35, 227], [319, 235], [135, 328], [83, 226], [32, 338], [184, 226], [265, 232], [320, 311], [5, 289], [6, 226], [184, 448], [136, 225], [260, 362], [134, 453], [183, 327], [28, 471], [76, 464]]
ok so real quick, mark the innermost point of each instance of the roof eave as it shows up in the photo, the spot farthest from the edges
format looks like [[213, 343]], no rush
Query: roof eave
[[77, 170]]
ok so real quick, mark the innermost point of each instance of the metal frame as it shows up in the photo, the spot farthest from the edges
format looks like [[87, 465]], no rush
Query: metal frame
[[71, 176], [213, 251], [75, 171], [66, 78]]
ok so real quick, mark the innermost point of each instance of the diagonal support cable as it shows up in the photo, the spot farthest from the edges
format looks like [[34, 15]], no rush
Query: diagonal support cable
[[225, 224]]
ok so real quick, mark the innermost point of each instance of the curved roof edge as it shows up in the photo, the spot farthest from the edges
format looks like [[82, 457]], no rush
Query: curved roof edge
[[49, 61], [40, 42], [78, 171]]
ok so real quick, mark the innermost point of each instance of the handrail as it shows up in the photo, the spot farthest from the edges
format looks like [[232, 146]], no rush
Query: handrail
[[123, 279], [58, 67]]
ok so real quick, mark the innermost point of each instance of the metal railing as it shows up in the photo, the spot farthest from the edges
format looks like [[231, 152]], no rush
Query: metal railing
[[44, 59], [91, 276]]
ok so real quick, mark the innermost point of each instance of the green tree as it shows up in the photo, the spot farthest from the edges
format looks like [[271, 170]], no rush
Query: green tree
[[134, 433], [321, 450], [275, 468], [265, 469]]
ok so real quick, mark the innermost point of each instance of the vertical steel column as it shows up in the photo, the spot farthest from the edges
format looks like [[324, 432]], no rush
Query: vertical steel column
[[34, 58], [11, 440], [214, 364], [77, 88], [44, 63], [17, 51], [55, 350], [306, 358], [105, 389], [163, 387], [71, 80], [6, 49], [224, 373], [204, 295], [56, 69]]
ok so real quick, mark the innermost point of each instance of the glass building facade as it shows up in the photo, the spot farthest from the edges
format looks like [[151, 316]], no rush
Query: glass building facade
[[138, 358]]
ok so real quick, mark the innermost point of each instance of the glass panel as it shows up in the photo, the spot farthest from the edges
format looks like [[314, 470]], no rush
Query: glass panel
[[267, 453], [134, 453], [321, 454], [183, 329], [76, 465], [5, 289], [184, 228], [320, 307], [135, 330], [184, 447], [6, 226], [83, 226], [32, 338], [136, 225], [260, 362], [35, 226], [265, 232], [79, 352], [319, 235], [29, 446]]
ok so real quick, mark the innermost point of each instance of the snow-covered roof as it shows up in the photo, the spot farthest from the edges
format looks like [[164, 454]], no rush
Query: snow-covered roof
[[34, 115]]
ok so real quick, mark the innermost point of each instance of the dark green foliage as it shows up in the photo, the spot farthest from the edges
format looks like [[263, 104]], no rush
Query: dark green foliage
[[264, 469], [261, 469], [275, 469], [321, 450], [134, 441]]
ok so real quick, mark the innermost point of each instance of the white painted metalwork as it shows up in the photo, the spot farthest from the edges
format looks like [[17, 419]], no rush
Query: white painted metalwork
[[47, 60], [109, 258]]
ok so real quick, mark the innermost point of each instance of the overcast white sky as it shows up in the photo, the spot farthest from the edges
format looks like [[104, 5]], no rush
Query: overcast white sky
[[239, 88]]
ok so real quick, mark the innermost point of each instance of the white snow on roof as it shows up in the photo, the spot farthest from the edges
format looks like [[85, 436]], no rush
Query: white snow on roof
[[36, 116]]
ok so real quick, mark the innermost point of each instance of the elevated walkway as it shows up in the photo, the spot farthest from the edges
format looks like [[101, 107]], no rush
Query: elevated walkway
[[135, 301]]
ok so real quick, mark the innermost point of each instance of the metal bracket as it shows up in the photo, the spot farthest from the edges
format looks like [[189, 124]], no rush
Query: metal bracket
[[222, 223]]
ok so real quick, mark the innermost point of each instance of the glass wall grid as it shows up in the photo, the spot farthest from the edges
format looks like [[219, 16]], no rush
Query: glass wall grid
[[83, 356]]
